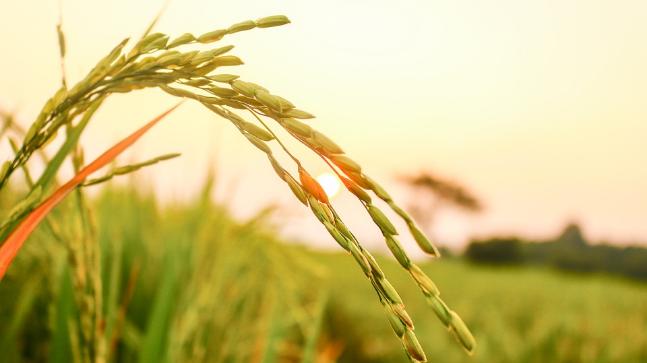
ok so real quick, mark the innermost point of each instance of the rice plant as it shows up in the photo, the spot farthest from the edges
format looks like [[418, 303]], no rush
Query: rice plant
[[157, 60]]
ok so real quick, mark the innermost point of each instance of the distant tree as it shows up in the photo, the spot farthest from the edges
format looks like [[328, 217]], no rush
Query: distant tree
[[634, 262], [569, 251], [433, 193], [495, 251], [572, 236]]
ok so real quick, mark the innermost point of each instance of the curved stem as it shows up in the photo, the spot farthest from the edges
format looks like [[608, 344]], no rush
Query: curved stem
[[274, 135]]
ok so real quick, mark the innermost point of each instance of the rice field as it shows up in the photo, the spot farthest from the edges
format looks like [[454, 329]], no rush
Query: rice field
[[188, 283]]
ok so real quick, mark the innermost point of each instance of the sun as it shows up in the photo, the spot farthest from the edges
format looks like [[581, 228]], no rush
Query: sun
[[330, 184]]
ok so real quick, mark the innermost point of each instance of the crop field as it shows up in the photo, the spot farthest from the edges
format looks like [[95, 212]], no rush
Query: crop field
[[517, 315], [186, 283]]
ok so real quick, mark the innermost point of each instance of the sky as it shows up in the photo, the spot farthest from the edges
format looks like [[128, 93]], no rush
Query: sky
[[537, 107]]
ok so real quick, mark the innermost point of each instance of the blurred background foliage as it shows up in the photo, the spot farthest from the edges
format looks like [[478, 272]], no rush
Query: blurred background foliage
[[185, 282]]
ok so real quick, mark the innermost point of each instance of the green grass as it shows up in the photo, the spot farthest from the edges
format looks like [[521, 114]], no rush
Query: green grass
[[187, 283], [517, 315]]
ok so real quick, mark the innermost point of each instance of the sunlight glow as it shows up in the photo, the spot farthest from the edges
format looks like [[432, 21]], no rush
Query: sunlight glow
[[330, 184]]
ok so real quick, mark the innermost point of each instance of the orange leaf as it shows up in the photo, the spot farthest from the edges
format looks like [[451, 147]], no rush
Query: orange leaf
[[17, 237]]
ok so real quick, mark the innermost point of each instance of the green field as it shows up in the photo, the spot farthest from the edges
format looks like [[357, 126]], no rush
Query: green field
[[187, 283], [516, 314]]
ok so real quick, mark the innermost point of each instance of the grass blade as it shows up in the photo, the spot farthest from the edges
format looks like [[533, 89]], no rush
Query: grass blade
[[154, 344]]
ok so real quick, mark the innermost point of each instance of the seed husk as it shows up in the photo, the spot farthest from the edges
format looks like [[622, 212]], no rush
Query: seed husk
[[226, 60], [222, 92], [144, 43], [360, 258], [397, 251], [59, 96], [390, 291], [220, 51], [212, 36], [440, 309], [258, 143], [150, 38], [271, 21], [257, 86], [356, 190], [343, 229], [382, 221], [278, 169], [378, 190], [334, 232], [199, 82], [188, 57], [285, 104], [268, 100], [158, 43], [463, 334], [322, 141], [232, 103], [346, 163], [312, 186], [413, 346], [399, 310], [297, 127], [375, 267], [244, 88], [319, 210], [223, 78], [296, 113], [329, 214], [242, 26], [250, 102], [239, 121], [359, 179], [257, 131], [396, 324], [181, 40], [422, 240], [296, 188], [423, 280], [210, 100], [210, 55]]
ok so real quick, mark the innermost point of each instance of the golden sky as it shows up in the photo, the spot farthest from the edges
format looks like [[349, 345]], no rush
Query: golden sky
[[539, 107]]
